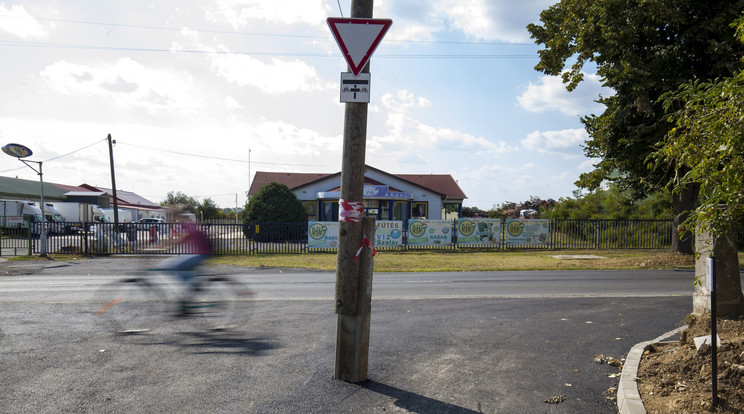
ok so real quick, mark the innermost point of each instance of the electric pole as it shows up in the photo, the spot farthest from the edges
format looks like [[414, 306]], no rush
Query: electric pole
[[354, 277], [113, 182]]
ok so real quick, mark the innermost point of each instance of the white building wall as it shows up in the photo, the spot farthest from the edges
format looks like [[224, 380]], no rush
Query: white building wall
[[434, 201], [310, 193]]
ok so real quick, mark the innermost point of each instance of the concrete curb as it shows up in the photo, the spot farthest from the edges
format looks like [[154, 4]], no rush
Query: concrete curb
[[628, 398]]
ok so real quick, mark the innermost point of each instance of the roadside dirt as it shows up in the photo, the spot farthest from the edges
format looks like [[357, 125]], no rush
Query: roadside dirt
[[660, 261], [676, 377]]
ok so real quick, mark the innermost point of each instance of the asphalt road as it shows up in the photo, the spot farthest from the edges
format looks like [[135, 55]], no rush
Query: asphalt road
[[62, 281], [492, 342]]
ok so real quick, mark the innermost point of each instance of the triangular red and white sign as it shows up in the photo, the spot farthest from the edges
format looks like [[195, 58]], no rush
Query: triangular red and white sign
[[358, 38]]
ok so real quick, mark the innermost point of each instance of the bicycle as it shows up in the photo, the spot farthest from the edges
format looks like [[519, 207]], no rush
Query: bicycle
[[142, 301]]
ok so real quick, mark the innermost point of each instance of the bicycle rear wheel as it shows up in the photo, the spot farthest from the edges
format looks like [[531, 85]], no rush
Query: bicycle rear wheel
[[220, 304], [129, 306]]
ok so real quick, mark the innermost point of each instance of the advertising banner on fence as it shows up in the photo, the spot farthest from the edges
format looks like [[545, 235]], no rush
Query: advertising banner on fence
[[322, 234], [388, 233], [527, 231], [429, 232], [479, 231]]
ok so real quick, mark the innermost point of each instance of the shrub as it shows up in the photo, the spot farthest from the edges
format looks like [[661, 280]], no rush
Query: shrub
[[274, 203]]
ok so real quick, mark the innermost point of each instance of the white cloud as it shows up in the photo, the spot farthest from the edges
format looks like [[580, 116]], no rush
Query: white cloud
[[17, 21], [268, 75], [127, 82], [509, 19], [275, 76], [403, 100], [565, 141], [550, 94], [231, 103], [407, 135], [193, 38], [480, 19], [468, 16], [588, 165], [240, 13]]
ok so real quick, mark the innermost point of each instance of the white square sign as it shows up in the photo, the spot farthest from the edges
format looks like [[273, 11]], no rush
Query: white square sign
[[355, 88]]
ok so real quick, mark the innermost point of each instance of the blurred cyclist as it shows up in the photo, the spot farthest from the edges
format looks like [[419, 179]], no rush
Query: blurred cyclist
[[199, 248]]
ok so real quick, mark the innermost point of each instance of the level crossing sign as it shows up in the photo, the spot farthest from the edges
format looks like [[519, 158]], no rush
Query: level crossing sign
[[358, 38]]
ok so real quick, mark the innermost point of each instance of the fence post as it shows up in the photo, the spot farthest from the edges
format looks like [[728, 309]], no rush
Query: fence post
[[30, 236], [455, 234], [502, 236], [84, 238]]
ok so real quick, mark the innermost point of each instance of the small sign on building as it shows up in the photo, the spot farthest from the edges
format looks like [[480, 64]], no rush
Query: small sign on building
[[355, 88]]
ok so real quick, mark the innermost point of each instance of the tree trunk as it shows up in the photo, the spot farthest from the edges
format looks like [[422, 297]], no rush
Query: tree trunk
[[684, 202], [729, 297]]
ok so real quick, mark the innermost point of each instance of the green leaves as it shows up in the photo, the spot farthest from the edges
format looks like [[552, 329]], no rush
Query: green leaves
[[180, 200], [659, 57], [707, 141], [642, 49], [274, 203]]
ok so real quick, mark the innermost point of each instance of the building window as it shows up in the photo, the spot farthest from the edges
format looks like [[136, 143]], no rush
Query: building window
[[400, 210], [311, 207], [372, 208], [450, 211], [330, 211], [385, 209], [419, 209]]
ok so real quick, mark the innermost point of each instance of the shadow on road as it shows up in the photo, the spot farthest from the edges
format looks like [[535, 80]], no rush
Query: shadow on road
[[415, 403], [209, 343], [202, 342]]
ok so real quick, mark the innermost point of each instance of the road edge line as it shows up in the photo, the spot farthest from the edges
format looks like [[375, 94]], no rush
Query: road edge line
[[628, 398]]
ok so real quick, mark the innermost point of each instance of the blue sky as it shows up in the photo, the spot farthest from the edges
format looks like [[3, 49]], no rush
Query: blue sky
[[193, 90]]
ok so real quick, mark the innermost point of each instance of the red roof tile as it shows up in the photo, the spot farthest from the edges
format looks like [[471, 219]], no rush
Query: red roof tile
[[443, 184], [291, 180]]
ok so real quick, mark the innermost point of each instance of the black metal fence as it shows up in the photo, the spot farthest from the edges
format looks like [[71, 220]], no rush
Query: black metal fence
[[611, 234], [135, 238], [278, 238]]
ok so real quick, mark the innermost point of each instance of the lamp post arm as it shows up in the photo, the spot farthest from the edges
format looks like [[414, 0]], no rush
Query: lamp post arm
[[43, 231], [38, 172]]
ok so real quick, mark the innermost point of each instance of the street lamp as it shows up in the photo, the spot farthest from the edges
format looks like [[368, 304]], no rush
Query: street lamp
[[21, 152]]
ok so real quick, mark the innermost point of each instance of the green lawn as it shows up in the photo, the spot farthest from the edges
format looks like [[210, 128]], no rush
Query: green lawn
[[460, 261]]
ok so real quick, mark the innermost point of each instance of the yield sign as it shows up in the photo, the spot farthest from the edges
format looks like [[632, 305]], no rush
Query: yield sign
[[358, 38]]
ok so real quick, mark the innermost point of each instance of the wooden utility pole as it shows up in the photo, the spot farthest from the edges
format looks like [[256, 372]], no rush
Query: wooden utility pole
[[354, 277], [113, 181]]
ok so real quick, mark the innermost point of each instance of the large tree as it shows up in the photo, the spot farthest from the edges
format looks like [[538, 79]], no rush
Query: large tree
[[707, 140], [276, 203], [180, 200], [278, 210], [641, 49], [208, 210]]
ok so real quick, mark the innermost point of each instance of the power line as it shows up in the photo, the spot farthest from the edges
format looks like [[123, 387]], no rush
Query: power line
[[255, 53], [59, 156], [219, 158], [175, 29], [77, 150]]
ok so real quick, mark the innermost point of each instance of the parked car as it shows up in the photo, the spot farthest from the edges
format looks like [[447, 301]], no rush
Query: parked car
[[146, 223]]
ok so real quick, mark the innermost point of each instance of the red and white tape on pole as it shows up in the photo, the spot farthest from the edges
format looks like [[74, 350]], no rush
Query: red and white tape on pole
[[353, 212], [365, 242], [350, 211]]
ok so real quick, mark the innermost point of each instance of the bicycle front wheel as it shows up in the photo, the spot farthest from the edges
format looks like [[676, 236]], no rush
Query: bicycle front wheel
[[129, 306], [220, 304]]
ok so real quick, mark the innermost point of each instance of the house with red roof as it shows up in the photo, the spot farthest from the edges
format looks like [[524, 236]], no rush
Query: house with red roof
[[386, 196]]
